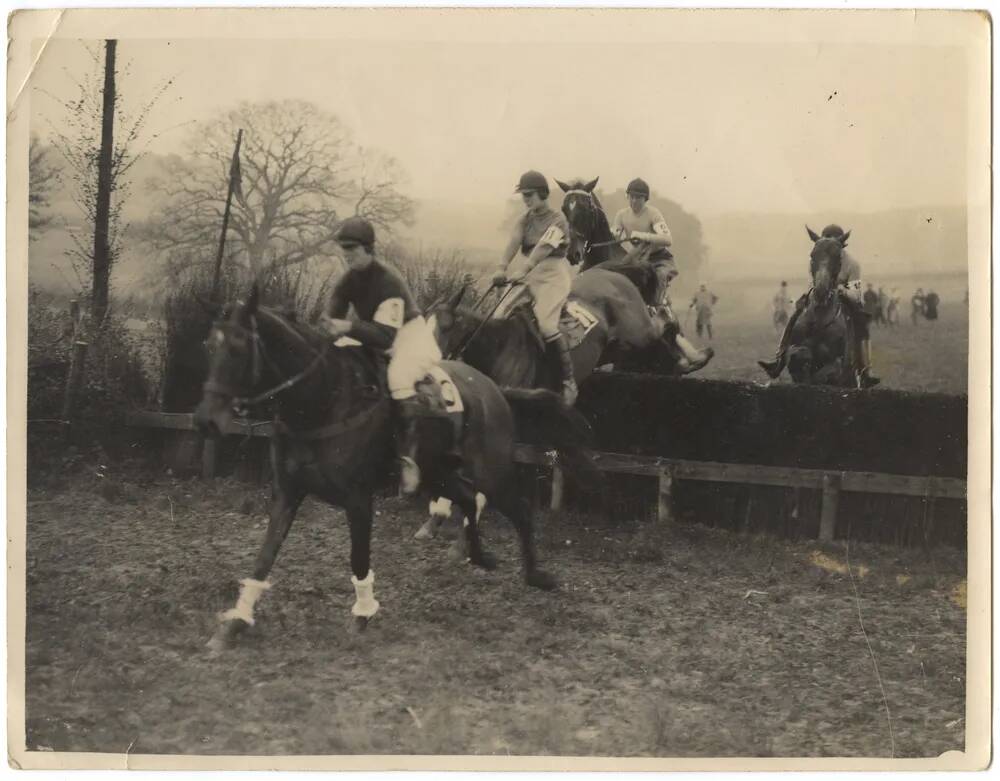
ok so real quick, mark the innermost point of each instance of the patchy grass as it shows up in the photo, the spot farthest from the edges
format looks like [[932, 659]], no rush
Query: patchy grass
[[660, 642]]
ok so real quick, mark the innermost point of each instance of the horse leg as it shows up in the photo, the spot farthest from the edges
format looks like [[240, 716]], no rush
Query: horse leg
[[518, 511], [460, 490], [286, 497], [359, 519], [440, 511]]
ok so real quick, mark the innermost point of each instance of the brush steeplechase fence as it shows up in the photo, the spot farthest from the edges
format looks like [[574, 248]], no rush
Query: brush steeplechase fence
[[838, 440]]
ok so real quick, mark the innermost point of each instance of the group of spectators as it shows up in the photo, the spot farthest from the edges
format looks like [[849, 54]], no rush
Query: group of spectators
[[883, 307]]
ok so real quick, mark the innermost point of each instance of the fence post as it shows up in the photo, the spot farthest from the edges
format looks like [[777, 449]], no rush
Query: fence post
[[77, 359], [665, 503], [828, 512], [558, 486], [209, 457]]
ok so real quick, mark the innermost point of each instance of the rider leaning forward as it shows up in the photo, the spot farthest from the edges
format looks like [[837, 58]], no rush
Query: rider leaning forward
[[540, 241], [849, 284], [388, 320]]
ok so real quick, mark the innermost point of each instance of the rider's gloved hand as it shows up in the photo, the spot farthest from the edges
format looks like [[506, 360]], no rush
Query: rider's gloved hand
[[334, 326], [499, 278]]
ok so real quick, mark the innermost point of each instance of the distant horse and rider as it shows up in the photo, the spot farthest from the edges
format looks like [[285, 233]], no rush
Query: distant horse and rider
[[826, 340]]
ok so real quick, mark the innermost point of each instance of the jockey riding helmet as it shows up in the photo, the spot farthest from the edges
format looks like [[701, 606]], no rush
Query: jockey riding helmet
[[638, 187], [356, 230], [533, 181]]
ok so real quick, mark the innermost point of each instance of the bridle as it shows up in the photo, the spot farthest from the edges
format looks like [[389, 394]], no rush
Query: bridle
[[258, 359], [592, 215]]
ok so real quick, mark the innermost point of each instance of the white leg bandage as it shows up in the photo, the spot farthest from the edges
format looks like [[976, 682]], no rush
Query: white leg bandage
[[365, 603], [440, 507], [250, 591], [480, 505]]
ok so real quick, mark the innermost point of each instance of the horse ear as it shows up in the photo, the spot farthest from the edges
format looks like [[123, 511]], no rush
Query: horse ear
[[844, 238], [812, 234], [563, 186], [456, 299], [589, 186]]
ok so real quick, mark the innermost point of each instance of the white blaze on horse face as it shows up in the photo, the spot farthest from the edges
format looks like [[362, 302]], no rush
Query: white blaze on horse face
[[250, 591], [365, 604]]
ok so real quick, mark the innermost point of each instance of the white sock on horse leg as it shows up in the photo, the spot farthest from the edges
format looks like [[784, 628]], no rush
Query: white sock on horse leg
[[250, 591], [480, 505], [365, 604]]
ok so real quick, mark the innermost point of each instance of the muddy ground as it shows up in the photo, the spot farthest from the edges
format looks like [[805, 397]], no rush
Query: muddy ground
[[678, 642]]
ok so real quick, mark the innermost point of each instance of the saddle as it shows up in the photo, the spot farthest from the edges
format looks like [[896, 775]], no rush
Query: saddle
[[576, 321]]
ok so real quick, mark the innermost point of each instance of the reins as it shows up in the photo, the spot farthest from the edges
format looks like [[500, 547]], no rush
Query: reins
[[460, 349]]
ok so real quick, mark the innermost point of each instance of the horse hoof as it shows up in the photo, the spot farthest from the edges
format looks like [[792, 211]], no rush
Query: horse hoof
[[541, 580], [425, 532], [486, 560], [360, 623]]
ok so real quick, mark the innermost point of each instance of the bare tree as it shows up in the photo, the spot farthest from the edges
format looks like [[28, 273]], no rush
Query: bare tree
[[77, 137], [43, 176], [300, 175]]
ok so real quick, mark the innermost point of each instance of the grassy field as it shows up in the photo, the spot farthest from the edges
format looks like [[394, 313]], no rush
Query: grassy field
[[690, 642]]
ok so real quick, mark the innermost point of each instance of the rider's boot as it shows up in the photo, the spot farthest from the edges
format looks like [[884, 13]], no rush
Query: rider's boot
[[558, 349], [865, 377], [775, 367]]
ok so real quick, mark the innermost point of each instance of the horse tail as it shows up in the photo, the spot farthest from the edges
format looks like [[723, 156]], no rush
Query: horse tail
[[542, 417]]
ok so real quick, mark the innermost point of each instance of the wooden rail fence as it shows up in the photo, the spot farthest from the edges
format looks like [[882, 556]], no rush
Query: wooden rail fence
[[667, 471]]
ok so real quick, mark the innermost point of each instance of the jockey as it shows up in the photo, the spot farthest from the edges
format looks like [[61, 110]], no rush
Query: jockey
[[388, 320], [643, 226], [542, 236], [849, 283]]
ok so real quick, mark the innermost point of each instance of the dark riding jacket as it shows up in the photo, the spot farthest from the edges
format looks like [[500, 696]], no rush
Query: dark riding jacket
[[381, 299]]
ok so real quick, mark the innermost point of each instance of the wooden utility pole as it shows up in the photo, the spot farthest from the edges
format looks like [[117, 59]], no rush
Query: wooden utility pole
[[102, 212]]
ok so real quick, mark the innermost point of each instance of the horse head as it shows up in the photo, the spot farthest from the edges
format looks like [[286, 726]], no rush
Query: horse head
[[235, 363], [824, 263], [584, 214]]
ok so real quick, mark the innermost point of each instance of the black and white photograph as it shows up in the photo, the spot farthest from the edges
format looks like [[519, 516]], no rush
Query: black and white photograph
[[499, 389]]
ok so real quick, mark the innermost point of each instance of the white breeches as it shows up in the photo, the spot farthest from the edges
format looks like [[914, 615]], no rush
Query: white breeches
[[413, 354]]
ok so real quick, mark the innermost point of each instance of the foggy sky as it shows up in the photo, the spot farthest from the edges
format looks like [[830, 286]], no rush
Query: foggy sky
[[808, 121]]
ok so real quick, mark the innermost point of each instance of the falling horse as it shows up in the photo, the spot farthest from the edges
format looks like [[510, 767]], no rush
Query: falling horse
[[821, 344], [334, 436]]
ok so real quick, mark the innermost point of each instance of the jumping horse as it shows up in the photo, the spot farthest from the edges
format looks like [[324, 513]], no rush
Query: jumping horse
[[821, 344], [334, 437]]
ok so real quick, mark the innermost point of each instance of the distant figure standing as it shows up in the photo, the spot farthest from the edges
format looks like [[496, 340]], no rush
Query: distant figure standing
[[871, 302], [703, 302], [883, 303], [892, 310], [931, 301], [781, 302], [917, 302]]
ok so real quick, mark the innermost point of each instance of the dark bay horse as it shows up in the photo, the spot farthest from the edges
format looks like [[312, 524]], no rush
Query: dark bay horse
[[334, 435], [821, 342]]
